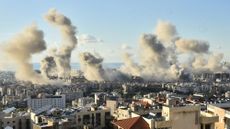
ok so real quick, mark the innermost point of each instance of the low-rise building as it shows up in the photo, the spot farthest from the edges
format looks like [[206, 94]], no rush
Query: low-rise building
[[96, 118], [16, 120], [223, 111]]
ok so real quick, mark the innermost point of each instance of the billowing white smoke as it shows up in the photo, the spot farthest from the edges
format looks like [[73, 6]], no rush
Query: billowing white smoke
[[155, 63], [69, 41], [214, 63], [154, 53], [195, 46], [199, 64], [130, 67], [165, 31], [159, 55], [92, 67], [155, 60], [21, 48], [204, 60]]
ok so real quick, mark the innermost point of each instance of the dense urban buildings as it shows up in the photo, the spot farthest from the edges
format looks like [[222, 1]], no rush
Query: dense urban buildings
[[195, 104]]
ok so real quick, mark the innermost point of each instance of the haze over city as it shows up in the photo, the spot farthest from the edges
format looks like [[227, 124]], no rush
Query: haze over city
[[102, 64]]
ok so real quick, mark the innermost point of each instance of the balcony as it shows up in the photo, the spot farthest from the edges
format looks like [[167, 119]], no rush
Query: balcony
[[207, 118]]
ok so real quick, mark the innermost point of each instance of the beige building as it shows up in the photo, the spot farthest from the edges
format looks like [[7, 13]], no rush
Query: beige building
[[223, 111], [53, 124], [122, 113], [189, 117], [181, 117], [112, 104], [186, 117], [15, 120], [95, 118]]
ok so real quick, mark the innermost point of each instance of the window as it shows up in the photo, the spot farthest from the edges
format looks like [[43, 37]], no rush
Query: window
[[86, 119], [79, 119], [208, 126]]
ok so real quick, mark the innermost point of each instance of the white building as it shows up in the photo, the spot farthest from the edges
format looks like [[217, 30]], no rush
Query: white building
[[39, 102], [70, 95]]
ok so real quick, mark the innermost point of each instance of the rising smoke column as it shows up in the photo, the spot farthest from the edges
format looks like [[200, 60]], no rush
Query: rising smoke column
[[158, 54], [21, 48], [92, 67], [153, 52], [69, 41], [155, 60], [130, 67], [167, 34], [48, 67]]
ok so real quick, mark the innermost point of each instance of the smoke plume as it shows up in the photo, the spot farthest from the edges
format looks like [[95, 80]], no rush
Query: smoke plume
[[92, 67], [21, 48], [196, 46], [130, 67], [154, 52], [165, 31], [48, 67], [209, 63], [93, 70], [69, 41]]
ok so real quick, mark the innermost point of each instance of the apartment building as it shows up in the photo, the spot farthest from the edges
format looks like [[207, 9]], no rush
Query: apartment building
[[35, 103], [223, 111]]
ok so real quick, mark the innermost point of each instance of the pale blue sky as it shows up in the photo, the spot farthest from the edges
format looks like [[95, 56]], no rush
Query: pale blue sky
[[119, 22]]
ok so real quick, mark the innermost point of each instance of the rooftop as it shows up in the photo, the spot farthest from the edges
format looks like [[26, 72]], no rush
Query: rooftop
[[131, 123]]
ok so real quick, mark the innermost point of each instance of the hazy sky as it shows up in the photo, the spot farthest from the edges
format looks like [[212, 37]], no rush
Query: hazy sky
[[119, 22]]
